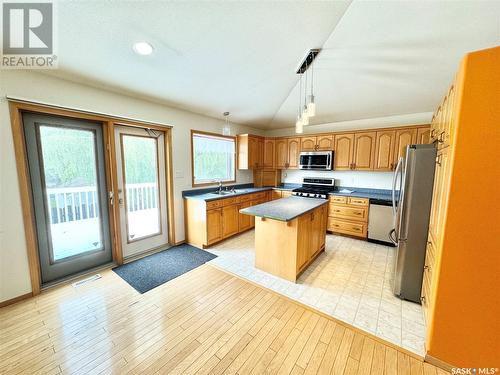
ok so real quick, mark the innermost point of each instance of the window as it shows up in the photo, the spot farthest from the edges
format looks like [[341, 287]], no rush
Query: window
[[214, 158]]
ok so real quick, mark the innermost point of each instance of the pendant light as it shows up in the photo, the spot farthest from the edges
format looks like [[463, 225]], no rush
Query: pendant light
[[226, 129], [299, 126], [305, 115], [311, 106]]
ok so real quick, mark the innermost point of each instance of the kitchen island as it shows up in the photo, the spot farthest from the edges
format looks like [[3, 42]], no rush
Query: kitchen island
[[289, 234]]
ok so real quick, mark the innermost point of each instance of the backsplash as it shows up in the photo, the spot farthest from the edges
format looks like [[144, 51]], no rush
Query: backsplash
[[373, 180]]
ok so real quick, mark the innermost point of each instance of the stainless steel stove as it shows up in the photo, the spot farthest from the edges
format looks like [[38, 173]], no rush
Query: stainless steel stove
[[313, 187]]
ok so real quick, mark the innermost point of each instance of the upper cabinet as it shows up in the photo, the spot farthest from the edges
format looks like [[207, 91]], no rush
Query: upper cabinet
[[317, 143], [404, 137], [377, 150], [249, 151], [293, 146], [384, 150], [423, 136], [281, 156], [364, 151], [344, 149], [287, 153], [269, 154]]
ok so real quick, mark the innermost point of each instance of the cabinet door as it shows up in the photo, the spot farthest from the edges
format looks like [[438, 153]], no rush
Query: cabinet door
[[276, 194], [245, 221], [344, 147], [286, 193], [404, 137], [364, 150], [304, 240], [308, 143], [423, 136], [384, 151], [439, 195], [253, 153], [324, 142], [268, 153], [260, 153], [230, 220], [293, 153], [281, 147], [214, 225]]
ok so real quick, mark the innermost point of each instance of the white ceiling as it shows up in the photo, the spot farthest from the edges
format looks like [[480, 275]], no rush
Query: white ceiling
[[379, 58]]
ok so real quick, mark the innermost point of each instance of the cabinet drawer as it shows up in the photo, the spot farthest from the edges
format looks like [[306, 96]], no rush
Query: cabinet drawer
[[346, 227], [261, 195], [246, 198], [230, 201], [358, 201], [214, 204], [347, 212], [338, 199]]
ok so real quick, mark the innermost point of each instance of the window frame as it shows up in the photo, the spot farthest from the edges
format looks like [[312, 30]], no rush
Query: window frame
[[215, 135]]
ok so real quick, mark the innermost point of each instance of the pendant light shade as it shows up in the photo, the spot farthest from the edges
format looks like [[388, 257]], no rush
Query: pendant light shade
[[305, 117], [299, 126], [311, 106], [226, 129]]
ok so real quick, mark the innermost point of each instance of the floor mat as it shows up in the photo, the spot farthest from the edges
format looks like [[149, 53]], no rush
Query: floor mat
[[149, 272]]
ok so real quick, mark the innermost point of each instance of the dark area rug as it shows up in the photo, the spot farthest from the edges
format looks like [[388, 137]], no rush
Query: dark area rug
[[149, 272]]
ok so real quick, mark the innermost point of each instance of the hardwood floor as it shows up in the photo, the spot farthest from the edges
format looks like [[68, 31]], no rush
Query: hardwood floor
[[203, 322]]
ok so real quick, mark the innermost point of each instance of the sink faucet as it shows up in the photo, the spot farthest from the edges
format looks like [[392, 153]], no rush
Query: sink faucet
[[220, 186]]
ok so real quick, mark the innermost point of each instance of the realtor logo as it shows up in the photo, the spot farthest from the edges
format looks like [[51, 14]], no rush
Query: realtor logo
[[28, 36]]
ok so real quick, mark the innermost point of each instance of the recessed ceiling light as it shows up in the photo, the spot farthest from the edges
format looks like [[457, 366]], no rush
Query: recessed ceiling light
[[143, 48]]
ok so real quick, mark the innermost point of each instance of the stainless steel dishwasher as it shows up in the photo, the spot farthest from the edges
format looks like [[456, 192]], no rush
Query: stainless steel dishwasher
[[380, 223]]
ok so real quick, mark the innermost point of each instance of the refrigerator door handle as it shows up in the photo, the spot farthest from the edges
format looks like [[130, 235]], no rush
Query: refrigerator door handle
[[394, 181], [392, 236]]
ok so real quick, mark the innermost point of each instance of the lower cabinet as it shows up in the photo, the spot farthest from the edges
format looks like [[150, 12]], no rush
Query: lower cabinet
[[230, 220], [214, 225], [210, 222], [348, 215]]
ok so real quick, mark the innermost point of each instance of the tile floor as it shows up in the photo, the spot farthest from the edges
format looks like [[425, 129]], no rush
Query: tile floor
[[350, 281]]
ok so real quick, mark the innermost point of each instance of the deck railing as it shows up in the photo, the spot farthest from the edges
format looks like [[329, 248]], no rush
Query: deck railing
[[80, 203]]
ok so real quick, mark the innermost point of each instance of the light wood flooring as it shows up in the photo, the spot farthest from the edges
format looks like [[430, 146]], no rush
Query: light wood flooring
[[205, 322]]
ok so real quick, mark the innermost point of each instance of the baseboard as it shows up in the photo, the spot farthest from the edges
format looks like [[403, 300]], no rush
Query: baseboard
[[438, 363], [15, 299], [180, 243]]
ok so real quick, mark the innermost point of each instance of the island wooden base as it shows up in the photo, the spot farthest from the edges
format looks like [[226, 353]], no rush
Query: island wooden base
[[285, 249]]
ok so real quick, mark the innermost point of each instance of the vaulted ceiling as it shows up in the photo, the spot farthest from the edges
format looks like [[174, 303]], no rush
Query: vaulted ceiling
[[378, 58]]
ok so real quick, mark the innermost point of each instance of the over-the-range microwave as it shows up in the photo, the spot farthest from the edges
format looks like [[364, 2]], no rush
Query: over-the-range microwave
[[316, 160]]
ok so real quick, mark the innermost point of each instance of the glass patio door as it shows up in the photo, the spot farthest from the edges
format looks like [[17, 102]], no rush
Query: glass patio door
[[66, 163], [140, 158]]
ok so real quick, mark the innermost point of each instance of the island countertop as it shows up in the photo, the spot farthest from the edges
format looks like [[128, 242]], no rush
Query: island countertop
[[284, 209]]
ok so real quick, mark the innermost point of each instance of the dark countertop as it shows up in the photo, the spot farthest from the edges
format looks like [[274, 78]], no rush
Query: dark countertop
[[212, 196], [242, 189], [284, 209], [380, 194]]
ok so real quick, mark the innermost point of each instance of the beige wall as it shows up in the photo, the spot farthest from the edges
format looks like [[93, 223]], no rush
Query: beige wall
[[14, 272]]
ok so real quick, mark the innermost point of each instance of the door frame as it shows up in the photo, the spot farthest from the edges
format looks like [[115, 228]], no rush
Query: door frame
[[16, 109]]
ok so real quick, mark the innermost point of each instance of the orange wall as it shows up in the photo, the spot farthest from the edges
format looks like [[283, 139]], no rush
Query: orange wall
[[465, 328]]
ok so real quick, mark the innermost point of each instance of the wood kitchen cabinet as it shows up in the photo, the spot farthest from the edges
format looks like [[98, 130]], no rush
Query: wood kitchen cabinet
[[384, 150], [230, 220], [423, 136], [287, 153], [293, 145], [210, 222], [268, 153], [266, 177], [250, 151], [214, 225], [317, 143], [348, 215], [344, 150], [403, 138], [281, 158], [364, 151]]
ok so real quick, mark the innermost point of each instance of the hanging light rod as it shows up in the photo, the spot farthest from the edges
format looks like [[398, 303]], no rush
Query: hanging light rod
[[307, 61]]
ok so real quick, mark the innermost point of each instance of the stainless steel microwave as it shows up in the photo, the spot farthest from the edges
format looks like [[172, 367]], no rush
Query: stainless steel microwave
[[316, 160]]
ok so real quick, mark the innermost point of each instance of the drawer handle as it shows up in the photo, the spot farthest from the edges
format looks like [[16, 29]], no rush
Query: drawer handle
[[422, 299], [441, 137], [355, 228], [357, 213], [336, 210]]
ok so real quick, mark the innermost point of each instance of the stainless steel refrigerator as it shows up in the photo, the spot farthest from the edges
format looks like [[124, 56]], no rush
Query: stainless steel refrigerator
[[411, 203]]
